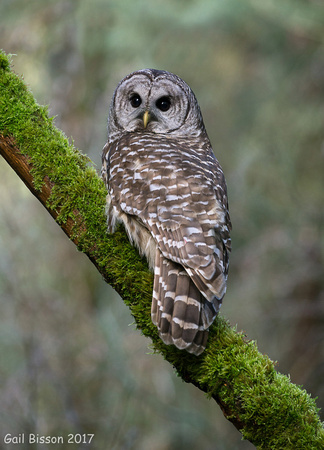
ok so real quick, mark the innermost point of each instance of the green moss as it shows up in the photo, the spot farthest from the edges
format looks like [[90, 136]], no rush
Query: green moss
[[271, 411]]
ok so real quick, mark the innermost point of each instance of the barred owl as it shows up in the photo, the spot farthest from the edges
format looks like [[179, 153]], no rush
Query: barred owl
[[167, 188]]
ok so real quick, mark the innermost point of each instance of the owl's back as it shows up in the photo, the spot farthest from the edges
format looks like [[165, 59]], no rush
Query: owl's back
[[175, 192]]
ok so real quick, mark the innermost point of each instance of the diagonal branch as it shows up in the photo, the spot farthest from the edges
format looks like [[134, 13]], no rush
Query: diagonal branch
[[263, 404], [23, 169]]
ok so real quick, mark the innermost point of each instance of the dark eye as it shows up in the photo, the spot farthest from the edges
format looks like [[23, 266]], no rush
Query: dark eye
[[163, 103], [135, 100]]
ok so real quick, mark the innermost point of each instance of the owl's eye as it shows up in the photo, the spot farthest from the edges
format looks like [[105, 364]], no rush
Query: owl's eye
[[163, 103], [135, 100]]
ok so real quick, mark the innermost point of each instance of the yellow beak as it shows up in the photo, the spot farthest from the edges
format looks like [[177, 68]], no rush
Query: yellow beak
[[146, 118]]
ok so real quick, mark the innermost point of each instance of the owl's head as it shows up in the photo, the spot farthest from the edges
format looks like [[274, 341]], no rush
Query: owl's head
[[154, 101]]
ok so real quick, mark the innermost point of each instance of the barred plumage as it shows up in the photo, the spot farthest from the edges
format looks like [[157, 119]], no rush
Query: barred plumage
[[166, 186]]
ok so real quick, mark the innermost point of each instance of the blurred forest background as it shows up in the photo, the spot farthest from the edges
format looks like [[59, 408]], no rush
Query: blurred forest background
[[71, 360]]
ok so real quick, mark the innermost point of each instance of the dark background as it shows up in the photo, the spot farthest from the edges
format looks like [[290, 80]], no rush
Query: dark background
[[69, 361]]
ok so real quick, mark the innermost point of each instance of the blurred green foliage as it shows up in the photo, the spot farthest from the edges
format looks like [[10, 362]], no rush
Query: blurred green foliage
[[68, 360]]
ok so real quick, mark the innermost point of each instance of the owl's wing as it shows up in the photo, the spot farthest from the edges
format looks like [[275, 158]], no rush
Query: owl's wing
[[179, 195], [191, 228]]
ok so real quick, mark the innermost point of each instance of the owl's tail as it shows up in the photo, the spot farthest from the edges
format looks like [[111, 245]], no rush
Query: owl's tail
[[179, 310]]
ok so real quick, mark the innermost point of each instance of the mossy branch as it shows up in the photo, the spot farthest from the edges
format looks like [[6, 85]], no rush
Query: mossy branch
[[263, 404]]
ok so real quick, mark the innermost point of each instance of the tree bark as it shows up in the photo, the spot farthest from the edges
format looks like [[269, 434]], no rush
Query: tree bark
[[19, 163], [263, 404]]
